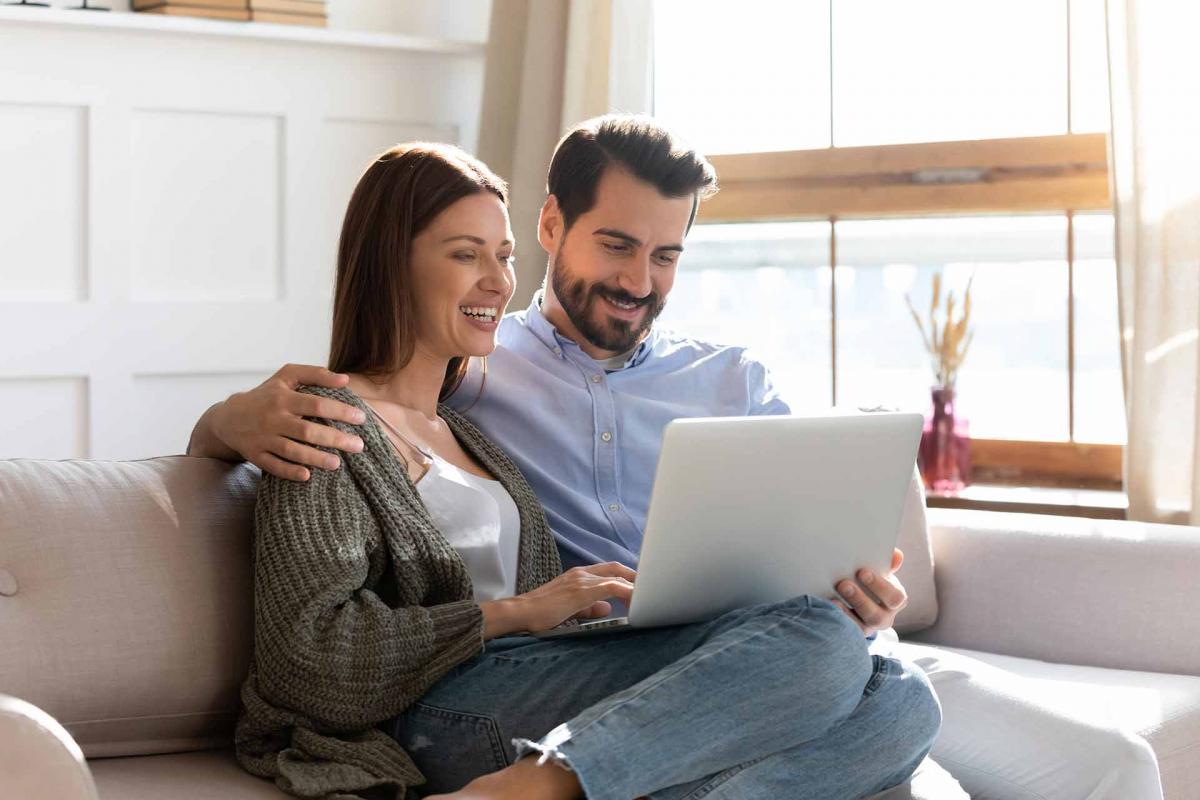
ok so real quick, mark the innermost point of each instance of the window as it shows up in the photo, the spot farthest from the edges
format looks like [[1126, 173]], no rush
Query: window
[[883, 142]]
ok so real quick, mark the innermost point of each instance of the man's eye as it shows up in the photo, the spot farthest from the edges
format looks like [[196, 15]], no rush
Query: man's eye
[[666, 259], [616, 248]]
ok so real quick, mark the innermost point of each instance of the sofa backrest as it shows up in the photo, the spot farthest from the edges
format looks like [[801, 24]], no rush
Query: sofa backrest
[[125, 597]]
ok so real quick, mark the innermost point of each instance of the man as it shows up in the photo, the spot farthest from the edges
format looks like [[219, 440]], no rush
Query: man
[[582, 383]]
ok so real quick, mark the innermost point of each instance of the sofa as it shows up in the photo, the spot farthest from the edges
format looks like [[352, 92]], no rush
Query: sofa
[[126, 615]]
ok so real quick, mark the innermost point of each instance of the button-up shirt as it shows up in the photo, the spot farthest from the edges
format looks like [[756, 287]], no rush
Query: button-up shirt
[[586, 438]]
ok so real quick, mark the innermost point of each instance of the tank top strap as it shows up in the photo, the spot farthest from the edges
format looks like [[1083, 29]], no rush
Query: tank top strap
[[428, 454]]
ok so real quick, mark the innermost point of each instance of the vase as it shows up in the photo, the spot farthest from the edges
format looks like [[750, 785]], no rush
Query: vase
[[944, 456]]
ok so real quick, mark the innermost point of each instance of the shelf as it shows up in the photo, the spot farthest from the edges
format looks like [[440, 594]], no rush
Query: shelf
[[190, 26], [1092, 503]]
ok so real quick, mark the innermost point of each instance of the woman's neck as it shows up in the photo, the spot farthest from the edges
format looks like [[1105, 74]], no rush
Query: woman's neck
[[417, 385]]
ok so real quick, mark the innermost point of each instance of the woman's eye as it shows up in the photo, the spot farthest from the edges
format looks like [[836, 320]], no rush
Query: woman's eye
[[465, 255]]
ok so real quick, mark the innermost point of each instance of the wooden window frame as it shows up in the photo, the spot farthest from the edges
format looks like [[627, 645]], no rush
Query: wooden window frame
[[1060, 174]]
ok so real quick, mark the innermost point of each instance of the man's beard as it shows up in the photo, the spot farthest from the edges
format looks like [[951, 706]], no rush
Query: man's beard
[[578, 299]]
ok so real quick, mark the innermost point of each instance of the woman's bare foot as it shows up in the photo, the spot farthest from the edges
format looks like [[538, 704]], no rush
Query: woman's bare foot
[[524, 780]]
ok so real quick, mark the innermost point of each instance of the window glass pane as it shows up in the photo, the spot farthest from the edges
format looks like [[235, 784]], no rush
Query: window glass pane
[[766, 286], [1099, 399], [1013, 383], [727, 82], [1089, 68], [938, 70]]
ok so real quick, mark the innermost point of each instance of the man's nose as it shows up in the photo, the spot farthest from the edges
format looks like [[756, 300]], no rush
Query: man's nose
[[635, 278]]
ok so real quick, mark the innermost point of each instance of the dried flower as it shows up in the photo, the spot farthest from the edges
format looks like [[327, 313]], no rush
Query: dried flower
[[946, 342]]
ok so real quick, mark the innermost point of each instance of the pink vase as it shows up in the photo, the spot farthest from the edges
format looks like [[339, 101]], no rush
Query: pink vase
[[945, 452]]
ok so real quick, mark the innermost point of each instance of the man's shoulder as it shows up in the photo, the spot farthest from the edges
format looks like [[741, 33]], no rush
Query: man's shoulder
[[672, 342], [512, 327]]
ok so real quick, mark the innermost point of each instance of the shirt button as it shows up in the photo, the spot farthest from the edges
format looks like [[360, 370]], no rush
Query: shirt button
[[597, 378], [613, 507], [606, 436], [558, 351]]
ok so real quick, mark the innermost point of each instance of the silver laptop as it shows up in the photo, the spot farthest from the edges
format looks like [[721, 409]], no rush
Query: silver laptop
[[749, 510]]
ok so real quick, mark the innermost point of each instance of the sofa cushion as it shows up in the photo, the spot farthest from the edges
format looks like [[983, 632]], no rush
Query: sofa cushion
[[1162, 708], [215, 775], [206, 775], [133, 601]]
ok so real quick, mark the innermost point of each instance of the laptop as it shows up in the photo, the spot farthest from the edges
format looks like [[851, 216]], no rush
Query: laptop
[[749, 510]]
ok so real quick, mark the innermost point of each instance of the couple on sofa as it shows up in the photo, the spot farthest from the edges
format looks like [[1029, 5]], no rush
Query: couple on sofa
[[391, 585]]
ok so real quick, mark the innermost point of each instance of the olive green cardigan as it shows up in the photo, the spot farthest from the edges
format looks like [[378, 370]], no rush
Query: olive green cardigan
[[360, 605]]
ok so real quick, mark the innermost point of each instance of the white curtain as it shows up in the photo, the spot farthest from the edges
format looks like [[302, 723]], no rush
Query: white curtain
[[551, 64], [1154, 64]]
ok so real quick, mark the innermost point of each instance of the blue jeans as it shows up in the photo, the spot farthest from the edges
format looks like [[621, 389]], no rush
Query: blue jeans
[[772, 701]]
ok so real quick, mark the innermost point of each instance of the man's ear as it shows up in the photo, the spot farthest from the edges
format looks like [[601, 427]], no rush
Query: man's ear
[[550, 225]]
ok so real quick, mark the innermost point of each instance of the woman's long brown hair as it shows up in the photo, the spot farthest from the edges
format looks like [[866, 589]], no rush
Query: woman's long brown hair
[[399, 195]]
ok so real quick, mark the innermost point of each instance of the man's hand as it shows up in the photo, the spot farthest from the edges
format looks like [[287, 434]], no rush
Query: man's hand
[[870, 615], [266, 425]]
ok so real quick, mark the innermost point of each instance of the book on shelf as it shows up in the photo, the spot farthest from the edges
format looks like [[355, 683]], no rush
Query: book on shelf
[[313, 20], [145, 5], [309, 7], [207, 12]]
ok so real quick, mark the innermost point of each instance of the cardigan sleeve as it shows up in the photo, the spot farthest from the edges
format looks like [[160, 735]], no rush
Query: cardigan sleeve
[[325, 644]]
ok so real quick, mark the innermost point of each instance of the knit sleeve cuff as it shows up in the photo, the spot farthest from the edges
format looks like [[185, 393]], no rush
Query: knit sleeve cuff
[[457, 631]]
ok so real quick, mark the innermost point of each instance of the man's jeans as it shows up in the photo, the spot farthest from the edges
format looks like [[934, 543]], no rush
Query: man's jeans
[[772, 701]]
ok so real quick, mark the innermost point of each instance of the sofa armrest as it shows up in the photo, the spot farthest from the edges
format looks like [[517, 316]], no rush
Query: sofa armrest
[[1065, 589], [38, 758]]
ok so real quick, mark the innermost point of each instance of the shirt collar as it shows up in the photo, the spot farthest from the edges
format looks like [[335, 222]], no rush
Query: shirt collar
[[559, 344]]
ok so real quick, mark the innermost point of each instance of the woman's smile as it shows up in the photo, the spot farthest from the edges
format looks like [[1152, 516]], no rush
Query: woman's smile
[[484, 318]]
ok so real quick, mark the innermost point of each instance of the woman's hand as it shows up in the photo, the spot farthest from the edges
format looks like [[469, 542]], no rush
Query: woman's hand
[[579, 593]]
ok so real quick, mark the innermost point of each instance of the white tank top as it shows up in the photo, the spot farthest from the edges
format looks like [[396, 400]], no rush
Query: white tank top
[[478, 518]]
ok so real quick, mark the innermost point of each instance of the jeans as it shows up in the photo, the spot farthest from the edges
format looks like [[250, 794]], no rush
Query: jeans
[[779, 700]]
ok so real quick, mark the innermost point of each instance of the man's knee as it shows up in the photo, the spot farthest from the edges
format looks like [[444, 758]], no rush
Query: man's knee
[[917, 708]]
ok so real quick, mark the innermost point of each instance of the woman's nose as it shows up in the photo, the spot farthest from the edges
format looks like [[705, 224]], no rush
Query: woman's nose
[[498, 277]]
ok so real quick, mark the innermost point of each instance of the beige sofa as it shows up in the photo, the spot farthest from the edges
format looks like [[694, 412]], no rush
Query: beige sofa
[[125, 614]]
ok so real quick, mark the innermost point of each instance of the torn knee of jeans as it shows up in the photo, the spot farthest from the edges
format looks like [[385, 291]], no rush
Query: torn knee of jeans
[[547, 749]]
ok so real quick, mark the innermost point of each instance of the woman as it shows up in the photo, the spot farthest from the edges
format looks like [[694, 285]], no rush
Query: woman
[[387, 593]]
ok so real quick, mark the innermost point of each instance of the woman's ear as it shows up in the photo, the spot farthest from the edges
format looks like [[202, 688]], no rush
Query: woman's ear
[[550, 225]]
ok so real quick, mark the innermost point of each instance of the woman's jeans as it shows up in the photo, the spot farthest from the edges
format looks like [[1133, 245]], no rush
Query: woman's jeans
[[773, 701]]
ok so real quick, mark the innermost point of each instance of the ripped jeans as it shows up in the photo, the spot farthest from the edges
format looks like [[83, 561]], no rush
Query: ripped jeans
[[773, 701]]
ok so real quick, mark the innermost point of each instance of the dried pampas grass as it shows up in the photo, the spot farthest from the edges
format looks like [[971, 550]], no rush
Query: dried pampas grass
[[947, 340]]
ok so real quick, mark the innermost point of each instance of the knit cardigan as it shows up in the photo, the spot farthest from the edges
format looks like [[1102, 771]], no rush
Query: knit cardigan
[[360, 606]]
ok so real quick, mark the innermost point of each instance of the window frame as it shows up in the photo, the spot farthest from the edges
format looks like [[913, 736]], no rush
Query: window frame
[[1062, 174]]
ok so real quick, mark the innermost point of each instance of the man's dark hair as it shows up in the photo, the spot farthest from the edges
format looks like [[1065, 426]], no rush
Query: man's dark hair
[[635, 143]]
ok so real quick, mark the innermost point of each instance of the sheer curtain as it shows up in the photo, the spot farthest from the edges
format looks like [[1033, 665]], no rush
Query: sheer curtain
[[1154, 65], [549, 65]]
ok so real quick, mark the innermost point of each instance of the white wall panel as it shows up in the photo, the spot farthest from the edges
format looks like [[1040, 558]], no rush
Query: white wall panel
[[44, 417], [347, 147], [191, 180], [206, 206], [167, 406], [43, 153]]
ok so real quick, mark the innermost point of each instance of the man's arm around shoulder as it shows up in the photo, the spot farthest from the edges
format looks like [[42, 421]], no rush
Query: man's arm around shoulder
[[267, 427]]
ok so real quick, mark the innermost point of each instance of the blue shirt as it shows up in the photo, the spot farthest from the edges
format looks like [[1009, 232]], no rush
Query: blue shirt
[[587, 439]]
